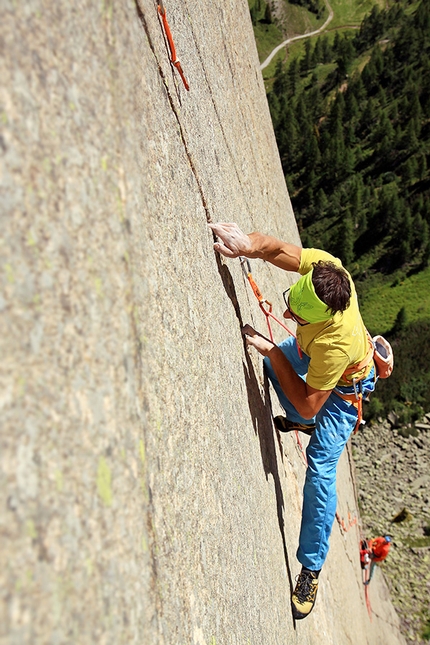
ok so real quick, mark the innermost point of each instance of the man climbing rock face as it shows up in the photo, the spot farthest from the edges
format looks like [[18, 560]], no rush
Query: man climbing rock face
[[316, 386]]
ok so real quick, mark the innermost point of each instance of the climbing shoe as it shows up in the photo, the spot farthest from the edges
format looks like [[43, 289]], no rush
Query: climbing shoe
[[305, 593], [285, 425]]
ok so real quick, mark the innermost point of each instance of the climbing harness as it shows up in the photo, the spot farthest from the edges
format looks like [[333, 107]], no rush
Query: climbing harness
[[265, 305], [356, 397], [173, 58], [380, 351]]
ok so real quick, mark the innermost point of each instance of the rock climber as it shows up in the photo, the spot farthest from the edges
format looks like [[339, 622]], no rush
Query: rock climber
[[335, 362], [373, 551]]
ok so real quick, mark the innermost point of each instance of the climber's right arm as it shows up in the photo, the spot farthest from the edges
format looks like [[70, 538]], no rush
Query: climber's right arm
[[233, 243]]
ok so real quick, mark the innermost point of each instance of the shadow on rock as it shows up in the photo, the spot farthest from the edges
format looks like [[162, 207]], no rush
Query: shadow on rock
[[261, 413]]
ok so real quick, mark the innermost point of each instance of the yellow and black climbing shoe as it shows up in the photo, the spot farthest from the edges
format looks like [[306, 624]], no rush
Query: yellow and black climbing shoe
[[285, 425], [305, 593]]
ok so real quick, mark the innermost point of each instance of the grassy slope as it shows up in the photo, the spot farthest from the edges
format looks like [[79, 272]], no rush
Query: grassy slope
[[382, 298], [347, 14], [296, 20], [351, 12]]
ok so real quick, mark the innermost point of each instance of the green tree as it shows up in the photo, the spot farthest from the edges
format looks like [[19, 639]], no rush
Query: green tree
[[317, 54], [409, 170], [389, 209], [400, 322], [422, 166], [306, 62], [405, 237], [293, 76], [327, 51], [346, 242], [281, 82], [425, 236], [415, 109], [426, 257], [268, 14], [351, 105], [321, 200], [311, 150], [288, 138], [356, 201], [409, 139]]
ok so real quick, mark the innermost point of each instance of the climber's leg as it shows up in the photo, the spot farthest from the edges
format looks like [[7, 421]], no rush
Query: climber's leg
[[300, 366], [334, 424]]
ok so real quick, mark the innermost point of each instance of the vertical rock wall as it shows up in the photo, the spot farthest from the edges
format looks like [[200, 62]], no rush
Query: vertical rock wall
[[144, 495]]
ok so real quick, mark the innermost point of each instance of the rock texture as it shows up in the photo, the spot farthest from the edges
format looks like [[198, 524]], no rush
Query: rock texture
[[394, 494], [144, 495]]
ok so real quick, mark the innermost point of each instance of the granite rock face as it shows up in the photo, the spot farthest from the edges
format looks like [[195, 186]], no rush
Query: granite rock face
[[145, 497]]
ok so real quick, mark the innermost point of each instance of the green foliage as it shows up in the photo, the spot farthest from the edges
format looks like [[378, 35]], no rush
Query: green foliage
[[314, 6], [362, 139], [374, 409], [352, 121], [400, 322], [407, 390], [267, 33]]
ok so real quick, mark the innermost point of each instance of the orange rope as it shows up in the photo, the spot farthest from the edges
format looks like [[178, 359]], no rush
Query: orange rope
[[173, 58], [343, 526], [268, 313], [366, 593], [263, 302]]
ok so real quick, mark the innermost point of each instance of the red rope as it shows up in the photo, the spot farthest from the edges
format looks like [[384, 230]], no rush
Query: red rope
[[173, 58], [268, 313], [366, 593], [263, 303], [301, 449], [343, 526]]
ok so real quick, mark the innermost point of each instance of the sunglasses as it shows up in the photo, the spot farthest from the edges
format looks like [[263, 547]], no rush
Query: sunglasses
[[286, 296]]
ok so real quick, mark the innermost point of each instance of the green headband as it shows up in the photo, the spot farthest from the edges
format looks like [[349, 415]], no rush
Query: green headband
[[305, 303]]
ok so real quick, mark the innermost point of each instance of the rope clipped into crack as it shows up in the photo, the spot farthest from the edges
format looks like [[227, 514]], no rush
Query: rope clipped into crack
[[352, 521], [173, 58]]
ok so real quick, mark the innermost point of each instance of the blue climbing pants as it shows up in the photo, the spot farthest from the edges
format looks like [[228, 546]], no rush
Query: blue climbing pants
[[334, 424]]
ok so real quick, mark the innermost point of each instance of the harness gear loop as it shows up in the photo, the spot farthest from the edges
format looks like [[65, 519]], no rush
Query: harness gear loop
[[356, 398], [173, 58]]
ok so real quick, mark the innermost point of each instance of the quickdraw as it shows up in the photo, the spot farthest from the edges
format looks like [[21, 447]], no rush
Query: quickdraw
[[356, 398], [173, 58], [352, 521], [266, 308], [265, 305]]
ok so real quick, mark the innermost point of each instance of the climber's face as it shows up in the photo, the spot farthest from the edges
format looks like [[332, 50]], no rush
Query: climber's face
[[290, 315]]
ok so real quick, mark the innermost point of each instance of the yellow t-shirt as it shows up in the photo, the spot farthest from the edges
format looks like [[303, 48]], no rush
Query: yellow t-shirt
[[337, 343]]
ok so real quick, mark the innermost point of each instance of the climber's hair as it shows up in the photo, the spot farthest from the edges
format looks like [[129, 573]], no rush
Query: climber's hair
[[332, 286]]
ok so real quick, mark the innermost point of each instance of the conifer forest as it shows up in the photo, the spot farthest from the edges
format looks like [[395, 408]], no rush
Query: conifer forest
[[351, 115]]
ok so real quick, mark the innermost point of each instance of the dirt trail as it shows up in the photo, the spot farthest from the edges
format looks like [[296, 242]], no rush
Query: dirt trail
[[294, 38]]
